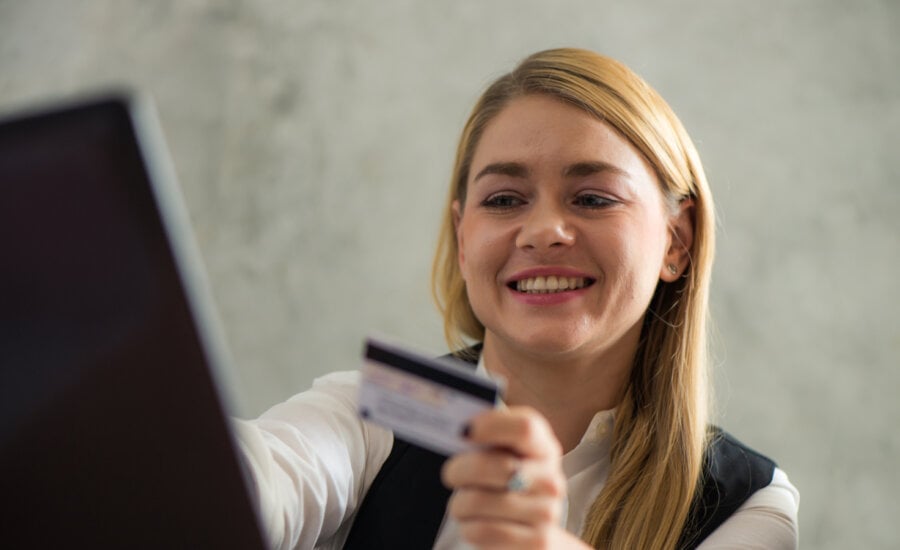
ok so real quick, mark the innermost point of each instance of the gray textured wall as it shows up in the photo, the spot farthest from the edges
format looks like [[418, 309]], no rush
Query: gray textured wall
[[313, 140]]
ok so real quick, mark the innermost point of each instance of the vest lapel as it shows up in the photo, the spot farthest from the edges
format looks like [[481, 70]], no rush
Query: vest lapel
[[405, 505]]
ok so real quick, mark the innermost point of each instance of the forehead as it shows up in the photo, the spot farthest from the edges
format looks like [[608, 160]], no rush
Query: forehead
[[539, 130]]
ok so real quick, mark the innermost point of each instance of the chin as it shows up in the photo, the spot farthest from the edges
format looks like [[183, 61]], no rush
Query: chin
[[546, 343]]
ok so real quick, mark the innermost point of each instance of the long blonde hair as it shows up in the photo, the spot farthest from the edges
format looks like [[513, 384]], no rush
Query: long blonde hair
[[660, 428]]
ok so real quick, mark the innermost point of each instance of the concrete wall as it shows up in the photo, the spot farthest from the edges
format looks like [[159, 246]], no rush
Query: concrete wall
[[313, 141]]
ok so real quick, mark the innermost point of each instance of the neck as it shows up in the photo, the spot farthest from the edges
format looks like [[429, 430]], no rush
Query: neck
[[567, 388]]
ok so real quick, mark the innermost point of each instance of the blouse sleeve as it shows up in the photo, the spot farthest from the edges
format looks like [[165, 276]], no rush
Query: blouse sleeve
[[311, 460], [767, 520]]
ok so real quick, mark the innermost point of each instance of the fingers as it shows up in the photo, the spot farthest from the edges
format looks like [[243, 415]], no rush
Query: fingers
[[485, 534], [493, 469], [509, 492], [522, 430], [491, 535], [514, 442], [479, 505], [490, 469]]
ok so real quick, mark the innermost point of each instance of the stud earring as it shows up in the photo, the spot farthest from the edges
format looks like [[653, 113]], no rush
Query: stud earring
[[672, 269]]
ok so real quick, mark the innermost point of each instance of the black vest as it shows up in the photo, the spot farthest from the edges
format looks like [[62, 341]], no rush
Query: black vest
[[404, 507]]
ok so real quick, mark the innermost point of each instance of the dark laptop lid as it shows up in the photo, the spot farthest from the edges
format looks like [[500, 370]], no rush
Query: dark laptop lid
[[112, 429]]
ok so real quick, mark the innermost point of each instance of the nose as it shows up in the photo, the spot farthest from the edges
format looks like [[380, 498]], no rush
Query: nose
[[546, 227]]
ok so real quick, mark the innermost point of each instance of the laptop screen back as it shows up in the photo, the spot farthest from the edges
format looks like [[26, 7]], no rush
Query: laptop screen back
[[112, 433]]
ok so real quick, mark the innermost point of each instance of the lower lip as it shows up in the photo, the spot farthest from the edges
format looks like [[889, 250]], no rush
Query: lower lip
[[549, 299]]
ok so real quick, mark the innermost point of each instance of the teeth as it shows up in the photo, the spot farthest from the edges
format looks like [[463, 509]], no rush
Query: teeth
[[552, 283]]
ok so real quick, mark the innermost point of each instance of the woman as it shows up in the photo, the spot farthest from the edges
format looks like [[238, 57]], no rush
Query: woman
[[576, 249]]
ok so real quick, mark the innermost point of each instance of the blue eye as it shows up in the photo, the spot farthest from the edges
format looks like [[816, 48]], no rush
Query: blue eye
[[501, 201], [592, 200]]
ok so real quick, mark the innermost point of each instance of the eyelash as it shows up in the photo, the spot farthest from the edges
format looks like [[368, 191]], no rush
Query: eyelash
[[502, 201], [506, 201], [600, 201]]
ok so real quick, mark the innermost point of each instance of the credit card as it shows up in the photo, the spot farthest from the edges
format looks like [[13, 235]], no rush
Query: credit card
[[424, 400]]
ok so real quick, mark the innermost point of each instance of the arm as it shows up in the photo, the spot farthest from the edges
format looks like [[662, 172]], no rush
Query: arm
[[311, 459], [767, 521]]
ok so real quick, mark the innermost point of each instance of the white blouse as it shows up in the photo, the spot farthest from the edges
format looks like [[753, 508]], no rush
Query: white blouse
[[312, 460]]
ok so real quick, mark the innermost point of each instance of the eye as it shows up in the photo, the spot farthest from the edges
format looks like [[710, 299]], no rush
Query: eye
[[502, 201], [593, 200]]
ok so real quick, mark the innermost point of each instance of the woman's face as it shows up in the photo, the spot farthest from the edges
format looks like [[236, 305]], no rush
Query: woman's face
[[564, 233]]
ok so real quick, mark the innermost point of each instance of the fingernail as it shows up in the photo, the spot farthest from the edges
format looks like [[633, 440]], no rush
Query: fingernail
[[466, 430]]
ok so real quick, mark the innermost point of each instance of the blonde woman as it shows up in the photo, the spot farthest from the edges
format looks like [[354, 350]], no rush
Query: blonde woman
[[574, 262]]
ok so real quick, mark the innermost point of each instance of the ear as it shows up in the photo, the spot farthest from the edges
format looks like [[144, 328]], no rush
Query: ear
[[460, 244], [681, 238]]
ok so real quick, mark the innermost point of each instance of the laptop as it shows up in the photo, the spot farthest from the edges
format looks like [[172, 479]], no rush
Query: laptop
[[113, 415]]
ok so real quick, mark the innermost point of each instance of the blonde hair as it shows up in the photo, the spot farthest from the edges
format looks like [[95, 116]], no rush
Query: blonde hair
[[660, 428]]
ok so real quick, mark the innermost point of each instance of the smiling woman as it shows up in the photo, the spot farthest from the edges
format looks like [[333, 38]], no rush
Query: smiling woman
[[574, 261], [572, 166]]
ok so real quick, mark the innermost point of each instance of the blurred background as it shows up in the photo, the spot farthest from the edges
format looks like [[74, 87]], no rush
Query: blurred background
[[313, 142]]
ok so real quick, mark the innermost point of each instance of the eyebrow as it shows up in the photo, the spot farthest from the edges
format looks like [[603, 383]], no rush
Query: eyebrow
[[579, 169], [582, 169], [512, 169]]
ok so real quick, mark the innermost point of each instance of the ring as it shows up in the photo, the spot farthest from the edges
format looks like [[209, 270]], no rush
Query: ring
[[517, 482]]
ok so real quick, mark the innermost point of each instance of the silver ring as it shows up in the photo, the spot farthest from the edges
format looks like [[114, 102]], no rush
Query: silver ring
[[517, 482]]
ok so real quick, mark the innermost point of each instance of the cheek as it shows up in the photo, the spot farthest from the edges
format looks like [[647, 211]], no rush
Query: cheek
[[464, 246], [651, 247], [480, 250], [636, 252], [461, 254]]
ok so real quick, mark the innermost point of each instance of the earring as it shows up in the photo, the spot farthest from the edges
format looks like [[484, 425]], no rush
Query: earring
[[672, 269]]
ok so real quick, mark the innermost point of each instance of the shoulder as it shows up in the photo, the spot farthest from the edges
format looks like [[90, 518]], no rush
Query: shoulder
[[332, 392], [735, 470], [735, 478], [768, 519]]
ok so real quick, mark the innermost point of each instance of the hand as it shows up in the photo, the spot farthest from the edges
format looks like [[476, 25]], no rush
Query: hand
[[491, 511]]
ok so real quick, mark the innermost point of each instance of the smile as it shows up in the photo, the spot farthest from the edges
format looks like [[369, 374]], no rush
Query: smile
[[550, 284]]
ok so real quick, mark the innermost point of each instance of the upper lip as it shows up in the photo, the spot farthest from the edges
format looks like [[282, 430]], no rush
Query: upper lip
[[546, 271]]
